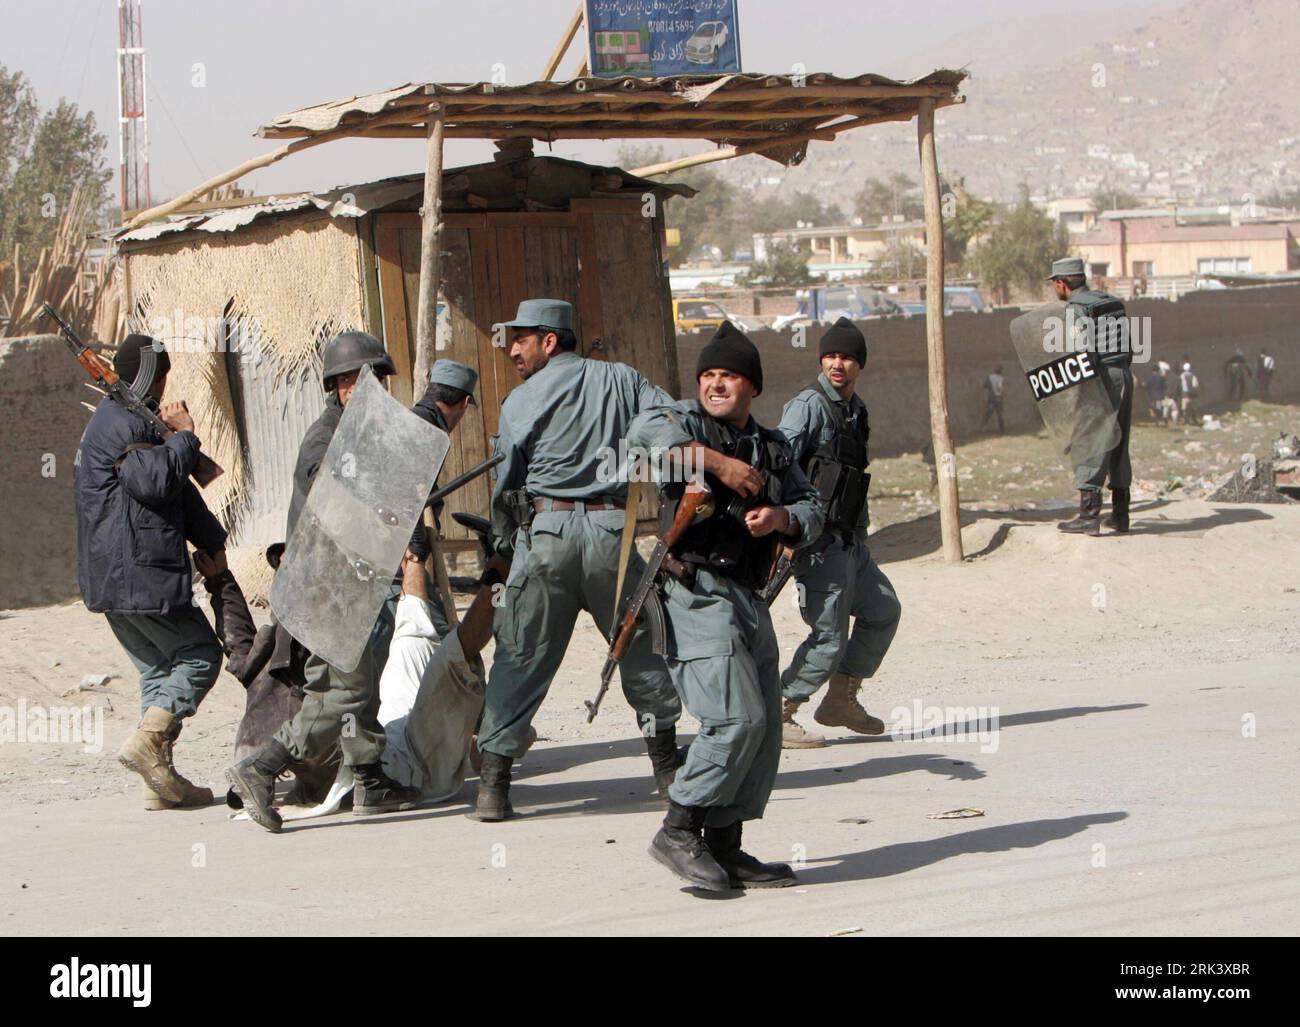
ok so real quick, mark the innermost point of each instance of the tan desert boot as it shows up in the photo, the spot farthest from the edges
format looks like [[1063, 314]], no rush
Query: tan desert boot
[[793, 736], [840, 707], [147, 753], [191, 794], [152, 800]]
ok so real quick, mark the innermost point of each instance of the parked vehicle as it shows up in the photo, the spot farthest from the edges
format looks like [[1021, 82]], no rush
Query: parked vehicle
[[826, 304], [697, 315], [704, 46], [955, 298], [963, 297]]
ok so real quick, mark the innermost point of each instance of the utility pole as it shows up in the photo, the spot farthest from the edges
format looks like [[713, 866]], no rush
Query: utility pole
[[133, 129]]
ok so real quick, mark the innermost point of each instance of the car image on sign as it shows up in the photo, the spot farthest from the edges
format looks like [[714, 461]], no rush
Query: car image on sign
[[707, 42]]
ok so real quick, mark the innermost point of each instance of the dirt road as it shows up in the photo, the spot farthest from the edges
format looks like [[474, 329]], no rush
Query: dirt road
[[1141, 777]]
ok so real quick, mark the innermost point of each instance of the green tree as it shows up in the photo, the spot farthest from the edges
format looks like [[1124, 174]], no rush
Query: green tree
[[881, 199], [708, 219], [42, 158], [786, 264], [1110, 198], [1288, 199], [1022, 245], [968, 219]]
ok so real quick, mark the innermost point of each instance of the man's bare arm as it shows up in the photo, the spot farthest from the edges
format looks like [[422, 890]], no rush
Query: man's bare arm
[[476, 628]]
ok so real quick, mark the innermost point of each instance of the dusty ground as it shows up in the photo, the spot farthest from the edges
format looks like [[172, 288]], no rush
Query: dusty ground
[[1141, 780]]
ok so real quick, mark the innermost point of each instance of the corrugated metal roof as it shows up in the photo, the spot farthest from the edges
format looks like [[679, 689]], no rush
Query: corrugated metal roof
[[353, 201], [725, 108]]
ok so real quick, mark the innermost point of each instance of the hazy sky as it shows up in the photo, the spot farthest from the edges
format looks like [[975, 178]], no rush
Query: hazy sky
[[266, 58]]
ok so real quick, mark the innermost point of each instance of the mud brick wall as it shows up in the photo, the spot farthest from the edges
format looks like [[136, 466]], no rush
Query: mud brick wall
[[41, 421], [1206, 326]]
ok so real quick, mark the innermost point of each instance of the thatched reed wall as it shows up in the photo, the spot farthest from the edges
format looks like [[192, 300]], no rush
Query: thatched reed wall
[[291, 282]]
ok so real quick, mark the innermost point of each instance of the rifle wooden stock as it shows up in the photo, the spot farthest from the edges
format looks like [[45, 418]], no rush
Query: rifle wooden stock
[[690, 504], [692, 500], [206, 470]]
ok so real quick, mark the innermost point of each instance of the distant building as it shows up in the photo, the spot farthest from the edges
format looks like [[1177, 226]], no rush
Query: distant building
[[840, 251], [1076, 213], [1186, 242]]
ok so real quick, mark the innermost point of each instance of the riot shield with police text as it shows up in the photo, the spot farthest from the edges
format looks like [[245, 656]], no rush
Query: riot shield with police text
[[1068, 384], [347, 546]]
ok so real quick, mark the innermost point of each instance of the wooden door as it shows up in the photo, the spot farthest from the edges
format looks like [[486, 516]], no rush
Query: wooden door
[[490, 262]]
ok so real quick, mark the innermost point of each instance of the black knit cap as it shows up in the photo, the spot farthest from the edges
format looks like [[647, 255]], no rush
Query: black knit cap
[[844, 337], [126, 361], [731, 350]]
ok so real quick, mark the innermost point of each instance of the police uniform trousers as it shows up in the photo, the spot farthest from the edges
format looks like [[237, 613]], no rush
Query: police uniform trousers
[[1115, 464], [835, 583], [567, 561], [343, 706], [725, 663]]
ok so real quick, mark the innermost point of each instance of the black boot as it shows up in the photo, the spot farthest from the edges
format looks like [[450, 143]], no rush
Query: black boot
[[253, 780], [679, 847], [1118, 519], [1088, 522], [376, 792], [742, 868], [665, 758], [493, 788]]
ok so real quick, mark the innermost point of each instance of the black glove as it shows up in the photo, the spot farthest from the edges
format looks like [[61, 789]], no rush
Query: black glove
[[419, 544]]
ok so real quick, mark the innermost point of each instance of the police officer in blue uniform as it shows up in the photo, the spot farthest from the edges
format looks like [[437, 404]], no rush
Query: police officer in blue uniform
[[838, 581], [557, 517], [1097, 322]]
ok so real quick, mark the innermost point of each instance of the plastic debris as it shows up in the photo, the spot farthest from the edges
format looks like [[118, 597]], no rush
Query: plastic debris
[[956, 814]]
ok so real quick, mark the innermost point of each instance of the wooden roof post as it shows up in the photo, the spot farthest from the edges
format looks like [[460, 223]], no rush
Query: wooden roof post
[[562, 46], [426, 325], [945, 459]]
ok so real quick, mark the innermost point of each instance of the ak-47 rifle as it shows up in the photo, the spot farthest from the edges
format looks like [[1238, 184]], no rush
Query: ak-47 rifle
[[206, 470], [782, 569], [695, 501], [462, 480]]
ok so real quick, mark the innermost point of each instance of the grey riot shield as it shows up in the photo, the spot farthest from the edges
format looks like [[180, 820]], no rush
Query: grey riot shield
[[1069, 385], [364, 502]]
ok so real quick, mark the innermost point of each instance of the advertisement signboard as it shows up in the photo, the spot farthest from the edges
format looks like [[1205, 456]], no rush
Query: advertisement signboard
[[662, 37]]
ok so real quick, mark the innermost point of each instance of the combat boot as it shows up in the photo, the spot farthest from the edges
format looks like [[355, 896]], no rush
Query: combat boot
[[253, 780], [146, 752], [376, 792], [680, 847], [1117, 521], [191, 795], [493, 801], [476, 757], [793, 734], [840, 707], [1088, 521], [665, 758], [743, 870]]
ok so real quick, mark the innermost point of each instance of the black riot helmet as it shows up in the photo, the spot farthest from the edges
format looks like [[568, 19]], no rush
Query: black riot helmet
[[351, 351]]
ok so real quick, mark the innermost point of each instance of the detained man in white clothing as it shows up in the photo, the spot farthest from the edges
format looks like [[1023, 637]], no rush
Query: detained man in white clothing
[[430, 693]]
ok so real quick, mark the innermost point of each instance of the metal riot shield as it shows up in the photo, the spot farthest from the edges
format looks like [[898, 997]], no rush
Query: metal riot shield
[[1069, 385], [348, 544]]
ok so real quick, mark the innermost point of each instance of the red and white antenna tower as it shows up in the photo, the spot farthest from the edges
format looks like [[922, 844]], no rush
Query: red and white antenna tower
[[131, 108]]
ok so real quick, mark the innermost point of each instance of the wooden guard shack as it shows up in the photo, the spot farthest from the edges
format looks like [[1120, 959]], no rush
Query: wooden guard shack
[[264, 283], [776, 116]]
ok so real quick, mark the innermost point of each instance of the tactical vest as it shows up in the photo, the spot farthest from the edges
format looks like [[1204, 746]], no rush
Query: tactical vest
[[1109, 334], [721, 542], [838, 468]]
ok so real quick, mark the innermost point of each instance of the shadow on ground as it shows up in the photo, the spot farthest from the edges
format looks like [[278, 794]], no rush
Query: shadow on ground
[[891, 860], [918, 537]]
